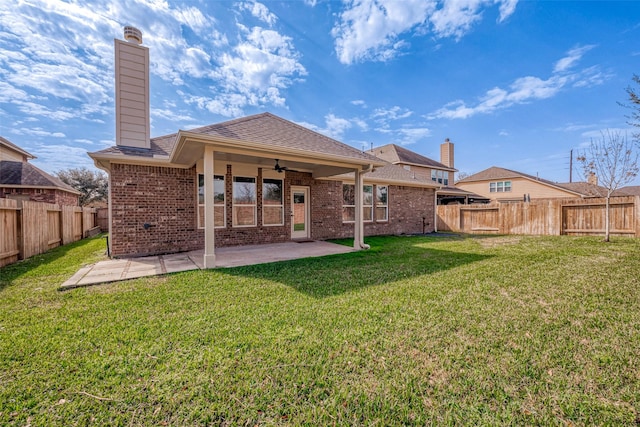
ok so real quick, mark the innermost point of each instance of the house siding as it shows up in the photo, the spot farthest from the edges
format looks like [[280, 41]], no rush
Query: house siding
[[166, 198], [519, 187]]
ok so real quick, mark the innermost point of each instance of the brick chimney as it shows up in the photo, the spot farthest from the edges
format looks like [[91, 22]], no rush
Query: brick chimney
[[132, 90], [592, 178], [446, 157]]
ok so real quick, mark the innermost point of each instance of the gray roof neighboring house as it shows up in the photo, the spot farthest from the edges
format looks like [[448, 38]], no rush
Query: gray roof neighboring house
[[26, 175], [390, 173], [393, 153]]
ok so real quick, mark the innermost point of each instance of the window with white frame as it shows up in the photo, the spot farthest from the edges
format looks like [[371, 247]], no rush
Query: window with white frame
[[244, 201], [349, 203], [441, 177], [382, 203], [367, 203], [272, 202], [500, 187], [218, 201]]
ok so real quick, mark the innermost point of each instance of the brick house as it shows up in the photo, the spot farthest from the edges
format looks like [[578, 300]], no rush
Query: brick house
[[20, 180], [256, 179]]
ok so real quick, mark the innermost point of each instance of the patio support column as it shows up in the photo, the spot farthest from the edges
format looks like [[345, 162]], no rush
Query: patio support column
[[358, 232], [209, 221]]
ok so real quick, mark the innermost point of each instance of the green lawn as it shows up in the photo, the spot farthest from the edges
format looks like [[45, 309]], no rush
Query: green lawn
[[415, 331]]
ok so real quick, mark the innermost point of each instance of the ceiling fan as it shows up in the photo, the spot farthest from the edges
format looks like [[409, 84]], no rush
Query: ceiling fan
[[281, 169]]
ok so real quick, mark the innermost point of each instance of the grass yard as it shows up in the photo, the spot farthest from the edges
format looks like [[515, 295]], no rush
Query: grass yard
[[416, 331]]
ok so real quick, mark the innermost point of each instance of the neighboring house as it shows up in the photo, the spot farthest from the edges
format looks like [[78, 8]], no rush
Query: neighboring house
[[20, 180], [257, 179], [505, 185], [424, 168], [632, 190]]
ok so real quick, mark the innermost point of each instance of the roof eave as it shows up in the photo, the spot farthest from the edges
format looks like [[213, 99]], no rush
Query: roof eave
[[230, 145]]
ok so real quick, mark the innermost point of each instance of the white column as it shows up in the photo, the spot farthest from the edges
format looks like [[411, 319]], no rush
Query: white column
[[358, 231], [209, 222]]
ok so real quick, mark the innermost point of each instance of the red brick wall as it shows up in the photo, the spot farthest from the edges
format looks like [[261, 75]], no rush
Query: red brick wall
[[163, 197], [407, 206], [166, 199], [41, 195]]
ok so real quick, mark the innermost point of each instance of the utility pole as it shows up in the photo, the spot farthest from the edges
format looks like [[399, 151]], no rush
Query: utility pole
[[571, 165]]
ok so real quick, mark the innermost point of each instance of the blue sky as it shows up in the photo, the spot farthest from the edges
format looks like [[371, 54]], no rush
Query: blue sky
[[516, 84]]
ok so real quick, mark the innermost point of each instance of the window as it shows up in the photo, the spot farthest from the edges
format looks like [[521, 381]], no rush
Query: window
[[244, 201], [367, 203], [218, 201], [382, 205], [441, 177], [500, 187], [272, 205], [349, 203]]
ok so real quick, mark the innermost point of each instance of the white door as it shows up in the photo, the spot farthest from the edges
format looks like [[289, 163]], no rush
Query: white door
[[300, 213]]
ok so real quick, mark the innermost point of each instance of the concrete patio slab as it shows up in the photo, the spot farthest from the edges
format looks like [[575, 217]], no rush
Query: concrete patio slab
[[123, 269]]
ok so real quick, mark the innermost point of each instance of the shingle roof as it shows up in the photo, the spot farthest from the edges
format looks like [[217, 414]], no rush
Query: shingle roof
[[632, 190], [14, 147], [391, 172], [27, 175], [264, 128], [395, 154], [495, 173]]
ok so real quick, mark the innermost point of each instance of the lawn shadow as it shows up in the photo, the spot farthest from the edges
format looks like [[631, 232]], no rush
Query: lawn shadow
[[390, 259]]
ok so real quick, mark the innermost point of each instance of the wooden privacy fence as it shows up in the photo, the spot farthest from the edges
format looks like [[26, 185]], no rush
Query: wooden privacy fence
[[578, 217], [34, 228]]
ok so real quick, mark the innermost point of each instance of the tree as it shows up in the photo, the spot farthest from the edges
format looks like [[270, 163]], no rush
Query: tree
[[93, 185], [634, 106], [613, 161], [462, 175]]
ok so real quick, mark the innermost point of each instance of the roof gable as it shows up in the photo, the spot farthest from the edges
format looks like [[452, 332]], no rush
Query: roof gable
[[13, 147], [395, 154], [495, 173]]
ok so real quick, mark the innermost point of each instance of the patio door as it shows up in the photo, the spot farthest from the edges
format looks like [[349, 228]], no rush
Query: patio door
[[300, 213]]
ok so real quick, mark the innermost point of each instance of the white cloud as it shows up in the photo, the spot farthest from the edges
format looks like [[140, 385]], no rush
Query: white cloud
[[334, 126], [373, 29], [507, 8], [413, 135], [38, 132], [172, 115], [259, 11], [526, 89], [572, 57], [393, 113], [253, 73], [369, 29], [60, 156], [359, 103], [56, 57]]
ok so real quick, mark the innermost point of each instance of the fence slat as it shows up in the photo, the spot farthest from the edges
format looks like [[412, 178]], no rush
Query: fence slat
[[37, 227], [543, 217]]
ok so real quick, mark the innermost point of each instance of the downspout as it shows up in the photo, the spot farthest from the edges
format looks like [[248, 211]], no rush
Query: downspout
[[361, 243], [435, 211]]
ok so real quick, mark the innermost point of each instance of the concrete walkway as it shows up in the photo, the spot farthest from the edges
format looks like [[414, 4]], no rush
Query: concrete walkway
[[122, 269]]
